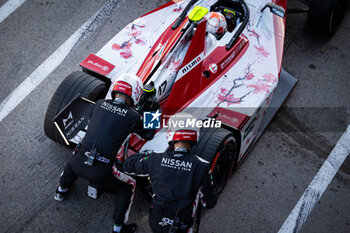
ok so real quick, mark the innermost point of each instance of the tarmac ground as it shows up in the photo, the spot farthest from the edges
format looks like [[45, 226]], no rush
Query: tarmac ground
[[257, 198]]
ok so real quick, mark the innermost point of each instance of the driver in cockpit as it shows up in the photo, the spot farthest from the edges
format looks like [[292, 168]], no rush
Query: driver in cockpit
[[217, 24]]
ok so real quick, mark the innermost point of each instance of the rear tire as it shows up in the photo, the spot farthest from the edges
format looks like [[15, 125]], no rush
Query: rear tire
[[75, 83], [325, 16], [218, 146]]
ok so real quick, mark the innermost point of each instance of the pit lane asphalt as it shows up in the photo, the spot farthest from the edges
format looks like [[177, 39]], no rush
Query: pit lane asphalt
[[259, 196]]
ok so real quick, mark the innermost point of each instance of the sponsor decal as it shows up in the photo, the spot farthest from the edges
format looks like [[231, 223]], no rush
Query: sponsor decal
[[176, 164], [229, 117], [232, 119], [114, 109], [225, 63], [187, 68], [75, 126], [249, 128], [97, 64], [151, 120], [189, 135], [68, 121], [74, 117], [166, 221], [123, 87], [104, 68], [213, 68]]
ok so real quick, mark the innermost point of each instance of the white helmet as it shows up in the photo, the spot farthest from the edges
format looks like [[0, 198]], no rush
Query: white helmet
[[130, 85], [216, 24], [185, 131]]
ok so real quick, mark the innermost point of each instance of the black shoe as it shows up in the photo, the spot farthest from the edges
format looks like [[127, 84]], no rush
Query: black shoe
[[129, 228], [59, 196]]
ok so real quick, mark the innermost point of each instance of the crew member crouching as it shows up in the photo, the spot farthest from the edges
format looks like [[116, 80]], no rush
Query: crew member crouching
[[111, 122], [178, 178]]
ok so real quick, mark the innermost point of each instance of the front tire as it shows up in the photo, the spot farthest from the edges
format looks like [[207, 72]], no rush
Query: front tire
[[74, 84], [219, 147]]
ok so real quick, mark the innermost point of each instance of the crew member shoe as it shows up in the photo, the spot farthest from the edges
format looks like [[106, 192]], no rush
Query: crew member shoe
[[59, 196], [129, 228]]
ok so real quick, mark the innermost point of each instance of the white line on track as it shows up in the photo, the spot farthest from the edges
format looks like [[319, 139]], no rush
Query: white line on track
[[55, 59], [9, 7], [318, 185]]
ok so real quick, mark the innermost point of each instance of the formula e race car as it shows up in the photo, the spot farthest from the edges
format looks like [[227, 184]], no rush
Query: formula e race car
[[233, 76]]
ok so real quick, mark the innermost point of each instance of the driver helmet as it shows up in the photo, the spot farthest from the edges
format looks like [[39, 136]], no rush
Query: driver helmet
[[129, 85], [216, 24], [185, 133]]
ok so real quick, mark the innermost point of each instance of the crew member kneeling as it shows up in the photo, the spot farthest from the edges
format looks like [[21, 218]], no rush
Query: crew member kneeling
[[110, 124], [178, 178]]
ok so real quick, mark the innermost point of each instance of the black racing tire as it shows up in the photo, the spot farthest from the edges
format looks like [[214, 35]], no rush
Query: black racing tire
[[325, 16], [75, 83], [218, 146]]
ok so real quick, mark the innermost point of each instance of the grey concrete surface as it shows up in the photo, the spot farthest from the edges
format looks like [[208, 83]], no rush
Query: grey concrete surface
[[33, 32], [259, 196]]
